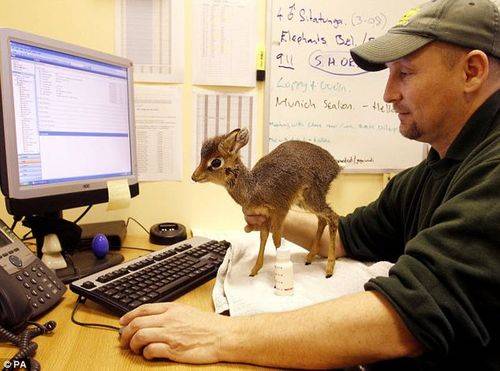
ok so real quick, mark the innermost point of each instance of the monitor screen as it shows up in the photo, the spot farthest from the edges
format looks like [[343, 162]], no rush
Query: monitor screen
[[71, 117], [68, 123]]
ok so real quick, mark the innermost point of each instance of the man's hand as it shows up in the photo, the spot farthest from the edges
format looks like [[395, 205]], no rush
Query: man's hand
[[255, 222], [174, 331]]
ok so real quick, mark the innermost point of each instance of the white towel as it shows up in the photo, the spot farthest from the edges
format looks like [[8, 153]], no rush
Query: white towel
[[241, 294]]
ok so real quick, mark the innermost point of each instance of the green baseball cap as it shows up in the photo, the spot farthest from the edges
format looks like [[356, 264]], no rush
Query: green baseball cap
[[471, 24]]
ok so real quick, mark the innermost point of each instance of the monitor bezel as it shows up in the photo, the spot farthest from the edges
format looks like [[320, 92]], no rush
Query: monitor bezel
[[88, 190]]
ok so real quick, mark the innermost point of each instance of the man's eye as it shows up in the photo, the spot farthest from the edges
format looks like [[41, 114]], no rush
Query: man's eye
[[216, 163]]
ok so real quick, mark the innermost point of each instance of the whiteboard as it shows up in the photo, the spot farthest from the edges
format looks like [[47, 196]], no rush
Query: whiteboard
[[315, 92]]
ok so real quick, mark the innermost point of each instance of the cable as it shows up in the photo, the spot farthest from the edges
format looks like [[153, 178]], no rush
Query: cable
[[82, 300], [83, 214], [130, 218], [137, 248], [67, 256], [25, 237], [16, 220], [27, 347]]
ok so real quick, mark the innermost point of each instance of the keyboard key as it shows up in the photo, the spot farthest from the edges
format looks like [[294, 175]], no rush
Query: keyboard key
[[135, 304], [88, 285], [167, 287], [125, 300], [153, 295]]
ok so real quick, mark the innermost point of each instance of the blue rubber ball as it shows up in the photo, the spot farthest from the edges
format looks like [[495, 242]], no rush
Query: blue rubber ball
[[100, 245]]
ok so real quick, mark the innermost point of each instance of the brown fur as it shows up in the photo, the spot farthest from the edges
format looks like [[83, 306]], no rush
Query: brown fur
[[295, 172]]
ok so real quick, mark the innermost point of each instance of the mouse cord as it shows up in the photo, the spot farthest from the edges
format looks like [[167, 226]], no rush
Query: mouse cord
[[27, 347], [82, 300]]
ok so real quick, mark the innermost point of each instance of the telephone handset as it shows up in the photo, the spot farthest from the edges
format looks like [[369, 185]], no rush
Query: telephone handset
[[27, 287]]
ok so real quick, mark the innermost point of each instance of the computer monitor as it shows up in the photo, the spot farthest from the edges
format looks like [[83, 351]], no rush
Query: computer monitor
[[66, 126]]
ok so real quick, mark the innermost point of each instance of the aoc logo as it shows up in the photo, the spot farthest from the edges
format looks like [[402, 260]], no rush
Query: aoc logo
[[405, 19]]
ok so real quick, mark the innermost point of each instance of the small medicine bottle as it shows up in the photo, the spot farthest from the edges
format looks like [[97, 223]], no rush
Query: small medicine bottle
[[283, 272]]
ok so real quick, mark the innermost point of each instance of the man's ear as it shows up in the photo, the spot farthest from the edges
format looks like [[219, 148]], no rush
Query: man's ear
[[476, 69], [234, 141]]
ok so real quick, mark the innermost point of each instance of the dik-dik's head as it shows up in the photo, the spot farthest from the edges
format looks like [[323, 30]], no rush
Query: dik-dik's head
[[220, 157]]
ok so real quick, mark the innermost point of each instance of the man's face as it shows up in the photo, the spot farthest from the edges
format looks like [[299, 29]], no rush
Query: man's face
[[425, 93]]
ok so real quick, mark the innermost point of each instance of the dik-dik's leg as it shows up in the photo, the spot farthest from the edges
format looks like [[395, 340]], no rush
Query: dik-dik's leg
[[315, 244], [333, 223], [264, 233], [277, 227]]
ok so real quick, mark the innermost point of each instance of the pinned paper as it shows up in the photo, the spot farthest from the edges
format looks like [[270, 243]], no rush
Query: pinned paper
[[118, 194]]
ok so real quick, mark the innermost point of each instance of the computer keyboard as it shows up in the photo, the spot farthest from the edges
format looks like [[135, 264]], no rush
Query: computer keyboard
[[162, 275]]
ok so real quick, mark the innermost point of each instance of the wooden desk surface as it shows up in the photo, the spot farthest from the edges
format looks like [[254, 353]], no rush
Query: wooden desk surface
[[73, 347]]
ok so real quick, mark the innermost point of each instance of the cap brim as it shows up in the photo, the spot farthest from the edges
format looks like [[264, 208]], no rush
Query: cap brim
[[374, 54]]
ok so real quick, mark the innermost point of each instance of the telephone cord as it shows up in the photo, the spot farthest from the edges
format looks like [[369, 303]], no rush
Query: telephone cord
[[27, 347]]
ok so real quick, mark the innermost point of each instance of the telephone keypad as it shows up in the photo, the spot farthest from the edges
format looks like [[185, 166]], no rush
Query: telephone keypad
[[42, 290], [40, 285]]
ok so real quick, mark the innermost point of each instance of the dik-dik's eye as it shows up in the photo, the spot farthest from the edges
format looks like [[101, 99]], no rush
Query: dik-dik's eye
[[216, 163]]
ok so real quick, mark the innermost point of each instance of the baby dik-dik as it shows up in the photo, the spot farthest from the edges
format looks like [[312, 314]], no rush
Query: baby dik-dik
[[295, 172]]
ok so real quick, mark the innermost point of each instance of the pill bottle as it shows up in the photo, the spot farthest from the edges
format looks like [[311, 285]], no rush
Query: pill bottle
[[283, 272]]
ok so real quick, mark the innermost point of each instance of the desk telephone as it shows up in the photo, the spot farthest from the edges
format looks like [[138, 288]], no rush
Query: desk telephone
[[27, 287]]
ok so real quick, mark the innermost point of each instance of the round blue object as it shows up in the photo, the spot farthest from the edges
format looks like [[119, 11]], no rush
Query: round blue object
[[100, 245]]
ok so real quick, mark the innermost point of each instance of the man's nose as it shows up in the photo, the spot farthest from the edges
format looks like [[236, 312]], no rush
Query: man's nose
[[392, 92]]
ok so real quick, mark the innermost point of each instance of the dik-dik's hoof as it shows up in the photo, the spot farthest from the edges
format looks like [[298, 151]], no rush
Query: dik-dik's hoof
[[310, 257], [329, 268], [254, 272]]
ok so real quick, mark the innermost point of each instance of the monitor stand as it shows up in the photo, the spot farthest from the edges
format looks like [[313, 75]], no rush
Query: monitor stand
[[79, 263]]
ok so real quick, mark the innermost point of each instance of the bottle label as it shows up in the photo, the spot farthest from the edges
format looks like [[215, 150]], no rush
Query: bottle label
[[283, 276]]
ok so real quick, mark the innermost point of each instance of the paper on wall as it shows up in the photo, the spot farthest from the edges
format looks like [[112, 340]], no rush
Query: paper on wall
[[224, 42], [158, 118], [151, 34]]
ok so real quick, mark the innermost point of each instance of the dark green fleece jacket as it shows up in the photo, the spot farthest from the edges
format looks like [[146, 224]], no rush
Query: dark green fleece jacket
[[440, 223]]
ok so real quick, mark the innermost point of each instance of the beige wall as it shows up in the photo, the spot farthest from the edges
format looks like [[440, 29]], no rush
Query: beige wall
[[90, 23]]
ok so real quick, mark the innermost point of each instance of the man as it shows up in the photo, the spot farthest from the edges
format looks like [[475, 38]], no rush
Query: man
[[439, 223]]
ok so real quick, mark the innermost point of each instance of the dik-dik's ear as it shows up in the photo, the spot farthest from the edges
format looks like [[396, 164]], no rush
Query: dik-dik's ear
[[233, 141]]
